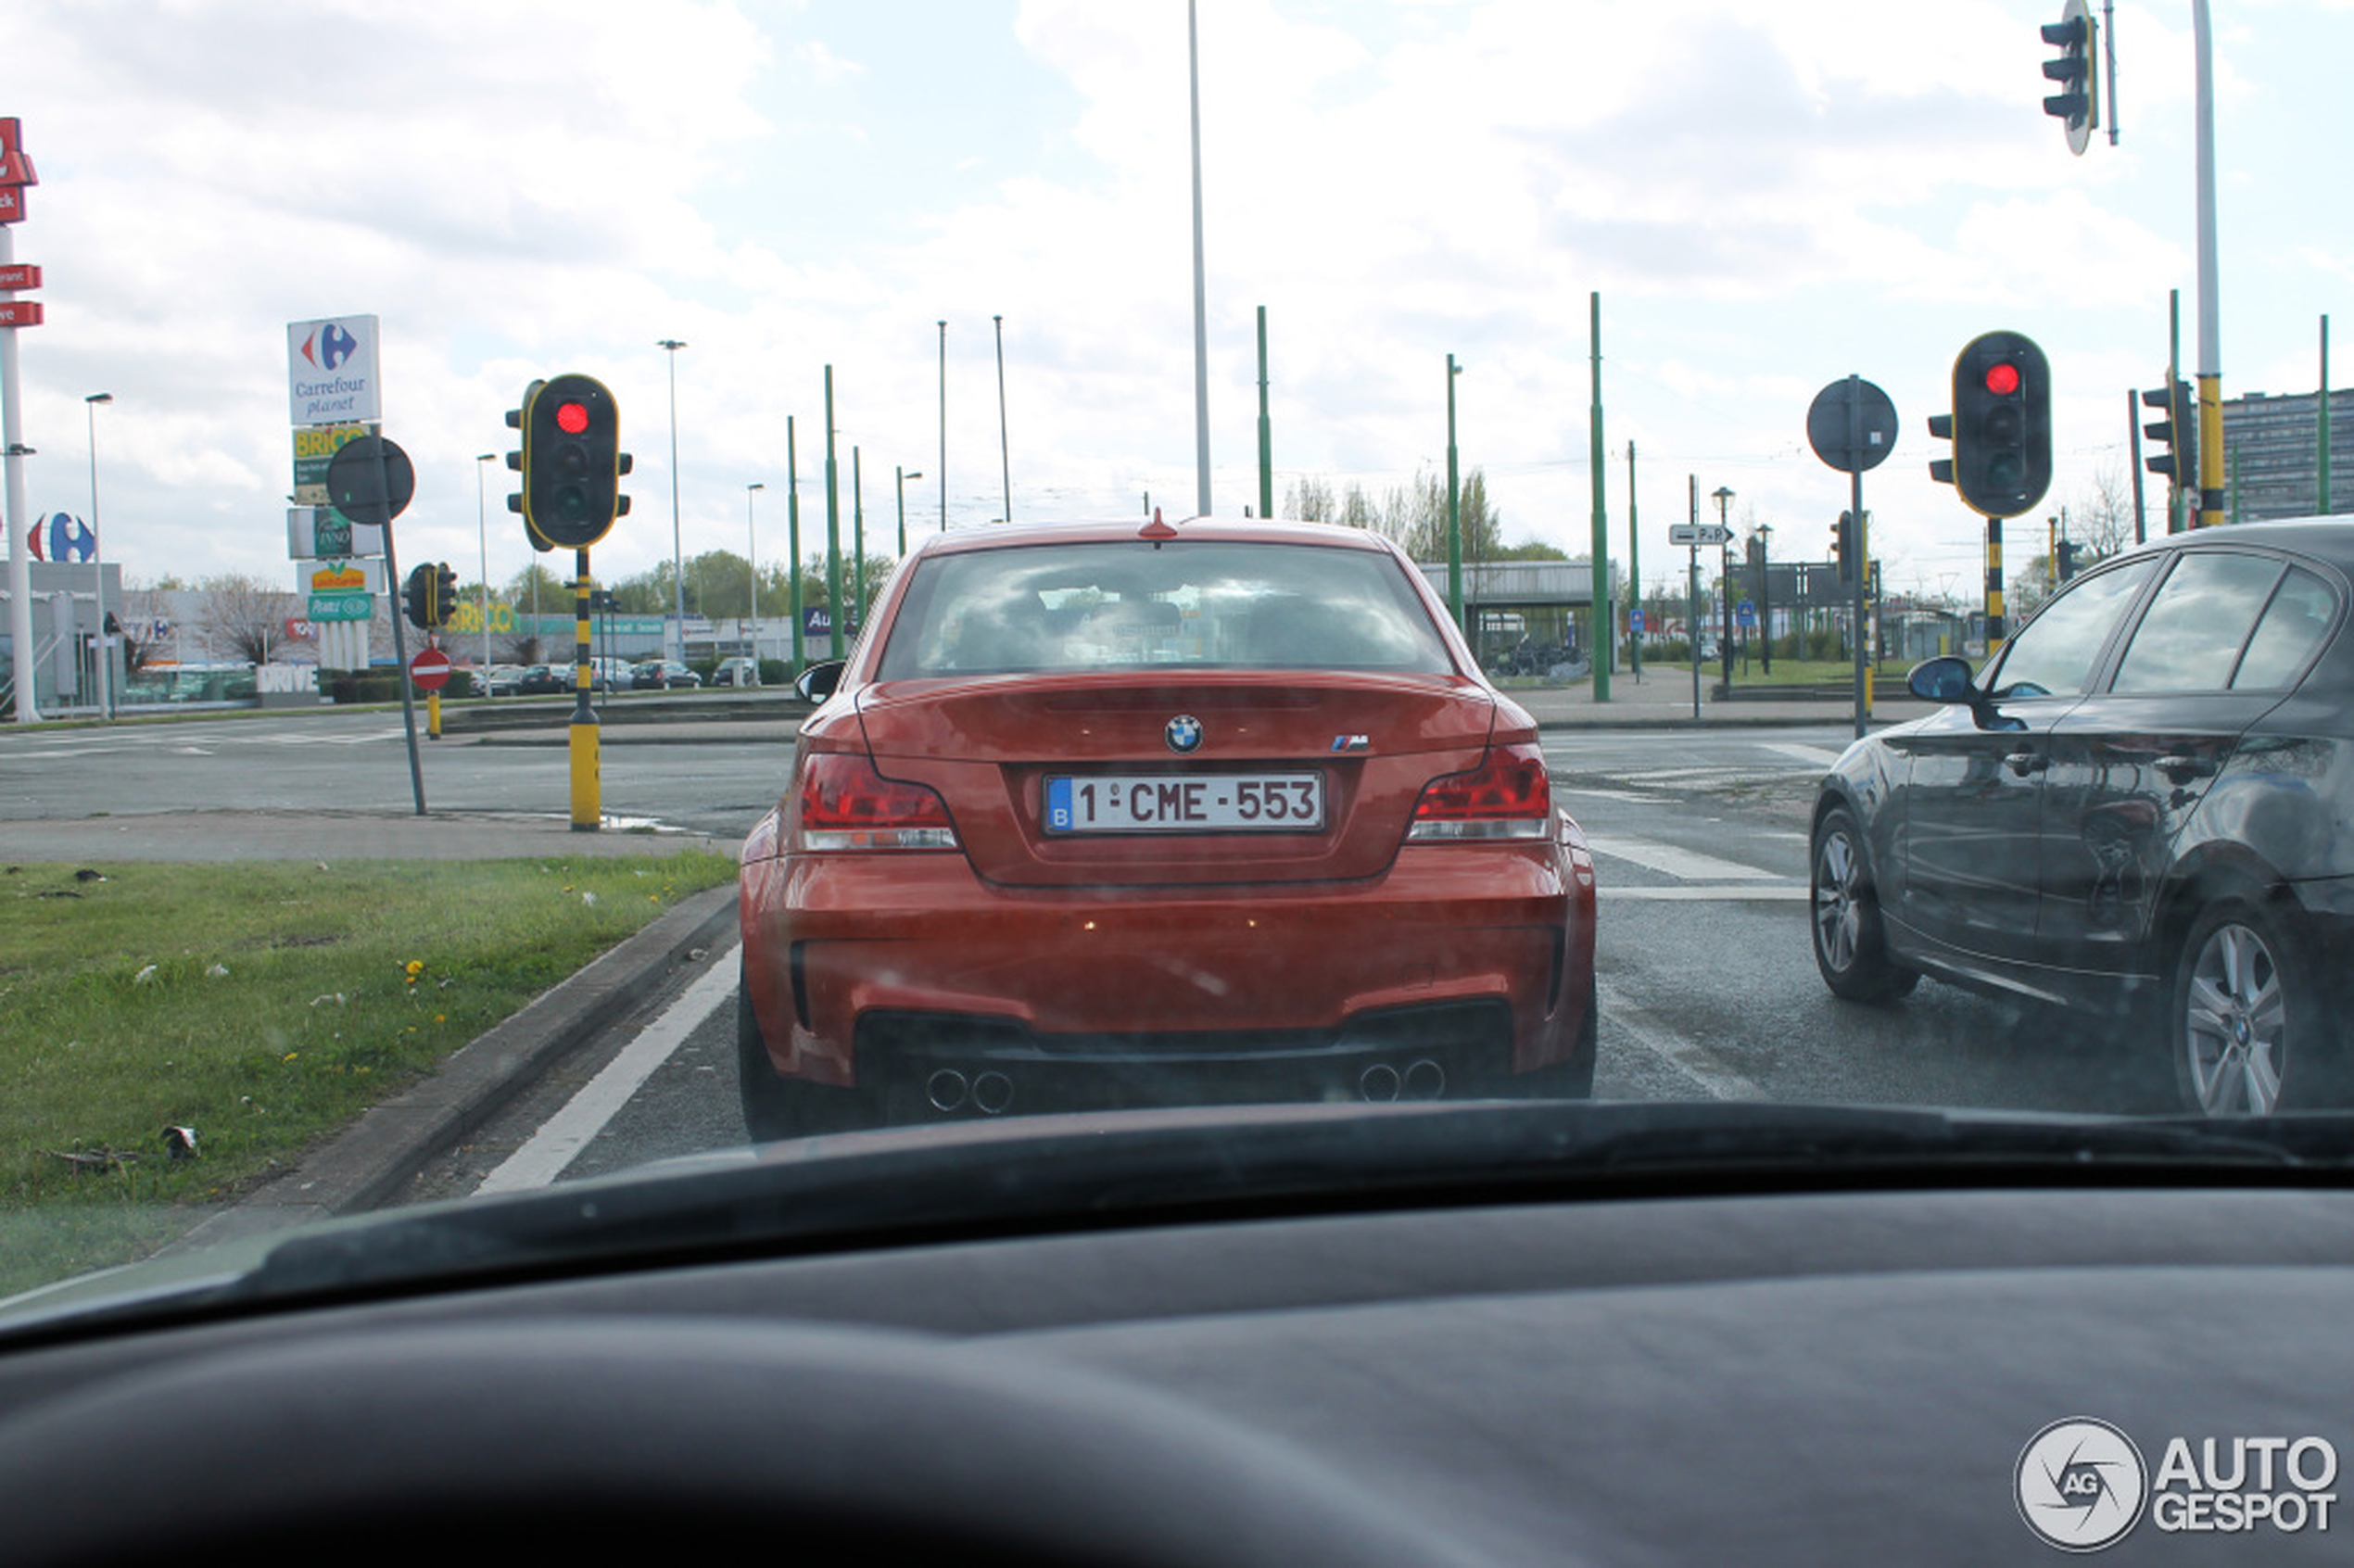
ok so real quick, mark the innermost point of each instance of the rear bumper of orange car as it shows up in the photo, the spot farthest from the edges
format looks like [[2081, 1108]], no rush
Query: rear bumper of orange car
[[883, 971]]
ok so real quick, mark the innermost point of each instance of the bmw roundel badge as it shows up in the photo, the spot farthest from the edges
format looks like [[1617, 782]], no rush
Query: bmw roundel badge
[[1184, 733]]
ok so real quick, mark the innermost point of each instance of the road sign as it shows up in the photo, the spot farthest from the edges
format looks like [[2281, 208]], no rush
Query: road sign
[[21, 312], [1635, 619], [370, 480], [1699, 534], [1745, 615], [1826, 425], [430, 669]]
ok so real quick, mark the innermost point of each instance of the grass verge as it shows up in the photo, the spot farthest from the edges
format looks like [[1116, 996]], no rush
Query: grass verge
[[264, 1006]]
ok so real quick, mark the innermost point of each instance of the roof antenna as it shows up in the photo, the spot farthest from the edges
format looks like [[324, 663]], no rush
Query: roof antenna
[[1157, 530]]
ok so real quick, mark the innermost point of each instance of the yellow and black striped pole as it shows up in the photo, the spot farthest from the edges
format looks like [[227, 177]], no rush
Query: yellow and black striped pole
[[1993, 586], [587, 804]]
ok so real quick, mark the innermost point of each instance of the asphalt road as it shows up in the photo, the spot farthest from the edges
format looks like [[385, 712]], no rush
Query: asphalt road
[[1707, 986]]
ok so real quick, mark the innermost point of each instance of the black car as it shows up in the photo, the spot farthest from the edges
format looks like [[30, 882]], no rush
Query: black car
[[540, 679], [2138, 810], [662, 675]]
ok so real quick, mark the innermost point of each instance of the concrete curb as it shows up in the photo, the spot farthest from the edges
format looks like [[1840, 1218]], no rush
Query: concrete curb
[[369, 1163]]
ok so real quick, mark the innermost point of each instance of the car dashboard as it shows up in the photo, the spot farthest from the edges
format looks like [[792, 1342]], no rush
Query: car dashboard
[[1778, 1375]]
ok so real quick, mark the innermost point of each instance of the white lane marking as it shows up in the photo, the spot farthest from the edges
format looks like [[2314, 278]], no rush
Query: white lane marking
[[1816, 754], [1624, 1024], [1674, 861], [1628, 795], [1752, 893], [560, 1138]]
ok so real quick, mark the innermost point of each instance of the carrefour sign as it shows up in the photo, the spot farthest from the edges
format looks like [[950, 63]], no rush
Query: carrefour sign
[[330, 371]]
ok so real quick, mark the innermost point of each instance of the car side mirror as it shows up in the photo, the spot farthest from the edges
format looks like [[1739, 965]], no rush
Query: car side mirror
[[820, 681], [1944, 679]]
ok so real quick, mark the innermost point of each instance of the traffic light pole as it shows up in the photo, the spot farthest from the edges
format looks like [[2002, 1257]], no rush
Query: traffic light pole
[[1860, 542], [400, 643], [2210, 332], [586, 805]]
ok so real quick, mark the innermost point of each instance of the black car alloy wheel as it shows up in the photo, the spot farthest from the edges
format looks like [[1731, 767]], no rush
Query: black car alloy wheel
[[1850, 949], [2240, 1003]]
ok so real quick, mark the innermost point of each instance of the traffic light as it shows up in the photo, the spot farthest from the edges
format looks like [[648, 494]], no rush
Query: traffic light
[[2064, 559], [2177, 430], [417, 595], [571, 461], [2077, 104], [2000, 426], [1844, 546], [518, 460], [445, 594]]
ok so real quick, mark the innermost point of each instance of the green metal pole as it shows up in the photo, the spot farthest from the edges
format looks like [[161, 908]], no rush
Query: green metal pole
[[899, 489], [2322, 461], [1634, 571], [1454, 513], [858, 533], [1266, 430], [1605, 620], [833, 524], [2182, 484], [792, 526]]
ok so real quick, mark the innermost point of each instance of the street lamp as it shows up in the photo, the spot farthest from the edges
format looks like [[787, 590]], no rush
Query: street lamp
[[901, 478], [97, 570], [943, 426], [481, 526], [1005, 452], [1765, 595], [677, 571], [752, 547], [1724, 497], [1454, 513]]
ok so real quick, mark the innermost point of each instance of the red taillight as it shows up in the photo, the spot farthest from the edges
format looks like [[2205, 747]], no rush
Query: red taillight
[[1507, 796], [846, 805]]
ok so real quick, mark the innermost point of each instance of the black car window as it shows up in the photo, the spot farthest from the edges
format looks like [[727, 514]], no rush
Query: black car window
[[2293, 627], [2190, 636], [2056, 652], [1114, 605]]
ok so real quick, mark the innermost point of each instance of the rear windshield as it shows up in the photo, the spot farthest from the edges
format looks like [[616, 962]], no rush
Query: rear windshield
[[1124, 605]]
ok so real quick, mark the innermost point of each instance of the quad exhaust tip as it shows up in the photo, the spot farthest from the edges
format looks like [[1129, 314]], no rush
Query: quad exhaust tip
[[991, 1092], [1423, 1079]]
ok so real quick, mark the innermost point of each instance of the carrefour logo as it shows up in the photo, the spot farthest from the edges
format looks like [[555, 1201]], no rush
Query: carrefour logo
[[330, 346]]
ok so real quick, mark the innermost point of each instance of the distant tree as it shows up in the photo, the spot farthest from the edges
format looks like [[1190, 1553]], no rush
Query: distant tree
[[1310, 499], [246, 616]]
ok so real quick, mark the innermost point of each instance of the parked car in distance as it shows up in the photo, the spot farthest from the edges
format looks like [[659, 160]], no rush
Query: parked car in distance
[[738, 671], [2134, 810], [662, 675], [538, 680], [499, 680]]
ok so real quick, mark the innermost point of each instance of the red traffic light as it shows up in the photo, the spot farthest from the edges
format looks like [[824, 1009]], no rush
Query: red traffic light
[[571, 418], [2002, 379]]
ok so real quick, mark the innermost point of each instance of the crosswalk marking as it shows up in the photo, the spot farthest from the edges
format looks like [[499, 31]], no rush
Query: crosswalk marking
[[1689, 866]]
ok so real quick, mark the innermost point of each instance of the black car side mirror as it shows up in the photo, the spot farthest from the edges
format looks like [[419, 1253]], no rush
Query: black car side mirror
[[820, 681], [1944, 679]]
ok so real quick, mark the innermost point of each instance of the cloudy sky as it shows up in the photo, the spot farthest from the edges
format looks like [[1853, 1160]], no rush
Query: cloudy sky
[[1767, 195]]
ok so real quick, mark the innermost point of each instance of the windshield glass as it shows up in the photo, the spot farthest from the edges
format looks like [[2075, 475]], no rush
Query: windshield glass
[[1102, 607], [601, 584]]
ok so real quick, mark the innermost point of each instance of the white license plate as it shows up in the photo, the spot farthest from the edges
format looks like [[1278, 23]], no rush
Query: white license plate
[[1193, 803]]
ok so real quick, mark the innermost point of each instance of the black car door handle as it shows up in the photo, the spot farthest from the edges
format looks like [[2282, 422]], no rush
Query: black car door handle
[[2182, 770], [2025, 763]]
